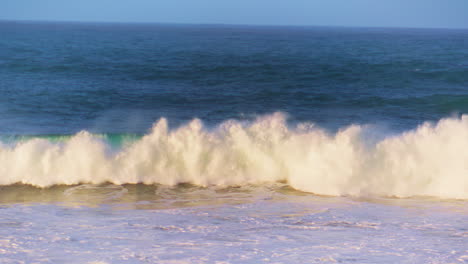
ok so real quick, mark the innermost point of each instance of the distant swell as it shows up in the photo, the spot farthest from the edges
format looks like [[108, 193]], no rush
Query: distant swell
[[431, 160]]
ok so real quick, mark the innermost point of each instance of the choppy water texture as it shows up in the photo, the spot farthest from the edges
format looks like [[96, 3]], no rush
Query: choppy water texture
[[63, 78], [149, 143]]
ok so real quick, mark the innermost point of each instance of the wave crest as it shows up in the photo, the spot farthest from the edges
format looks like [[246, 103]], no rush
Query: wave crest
[[431, 160]]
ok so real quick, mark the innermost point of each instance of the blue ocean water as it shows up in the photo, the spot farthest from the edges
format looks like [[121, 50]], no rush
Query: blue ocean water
[[60, 78], [158, 143]]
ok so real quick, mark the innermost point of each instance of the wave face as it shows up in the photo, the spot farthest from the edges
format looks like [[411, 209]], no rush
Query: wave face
[[358, 160]]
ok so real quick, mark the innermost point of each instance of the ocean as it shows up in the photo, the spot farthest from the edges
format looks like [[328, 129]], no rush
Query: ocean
[[168, 143]]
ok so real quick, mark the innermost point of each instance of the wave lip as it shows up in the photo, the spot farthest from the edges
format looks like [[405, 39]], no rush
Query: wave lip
[[431, 160]]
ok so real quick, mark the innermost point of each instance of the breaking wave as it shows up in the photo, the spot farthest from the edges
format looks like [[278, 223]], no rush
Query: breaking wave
[[431, 160]]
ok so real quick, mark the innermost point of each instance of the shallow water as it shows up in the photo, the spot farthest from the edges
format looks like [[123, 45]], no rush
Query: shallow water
[[188, 224]]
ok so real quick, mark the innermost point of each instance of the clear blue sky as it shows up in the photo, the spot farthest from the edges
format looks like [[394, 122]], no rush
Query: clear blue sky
[[384, 13]]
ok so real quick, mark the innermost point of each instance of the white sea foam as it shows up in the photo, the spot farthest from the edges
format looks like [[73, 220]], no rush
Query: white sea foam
[[431, 160]]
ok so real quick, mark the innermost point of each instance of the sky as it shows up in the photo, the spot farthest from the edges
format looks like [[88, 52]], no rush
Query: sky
[[366, 13]]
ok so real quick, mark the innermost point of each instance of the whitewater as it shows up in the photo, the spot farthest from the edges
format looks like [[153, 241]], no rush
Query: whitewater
[[358, 160]]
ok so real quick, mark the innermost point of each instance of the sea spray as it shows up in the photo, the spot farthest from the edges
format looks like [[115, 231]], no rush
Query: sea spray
[[430, 160]]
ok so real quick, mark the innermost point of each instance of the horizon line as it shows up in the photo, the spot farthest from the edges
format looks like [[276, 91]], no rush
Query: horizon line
[[223, 24]]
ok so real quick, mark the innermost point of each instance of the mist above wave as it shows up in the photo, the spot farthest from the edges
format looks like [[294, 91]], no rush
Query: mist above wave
[[357, 160]]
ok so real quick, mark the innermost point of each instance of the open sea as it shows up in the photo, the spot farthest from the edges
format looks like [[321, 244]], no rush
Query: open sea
[[155, 143]]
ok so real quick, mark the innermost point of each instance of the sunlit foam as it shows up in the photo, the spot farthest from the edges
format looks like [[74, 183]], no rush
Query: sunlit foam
[[431, 160]]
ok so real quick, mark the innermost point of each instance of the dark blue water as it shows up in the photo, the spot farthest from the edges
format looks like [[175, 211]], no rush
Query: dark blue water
[[60, 78]]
